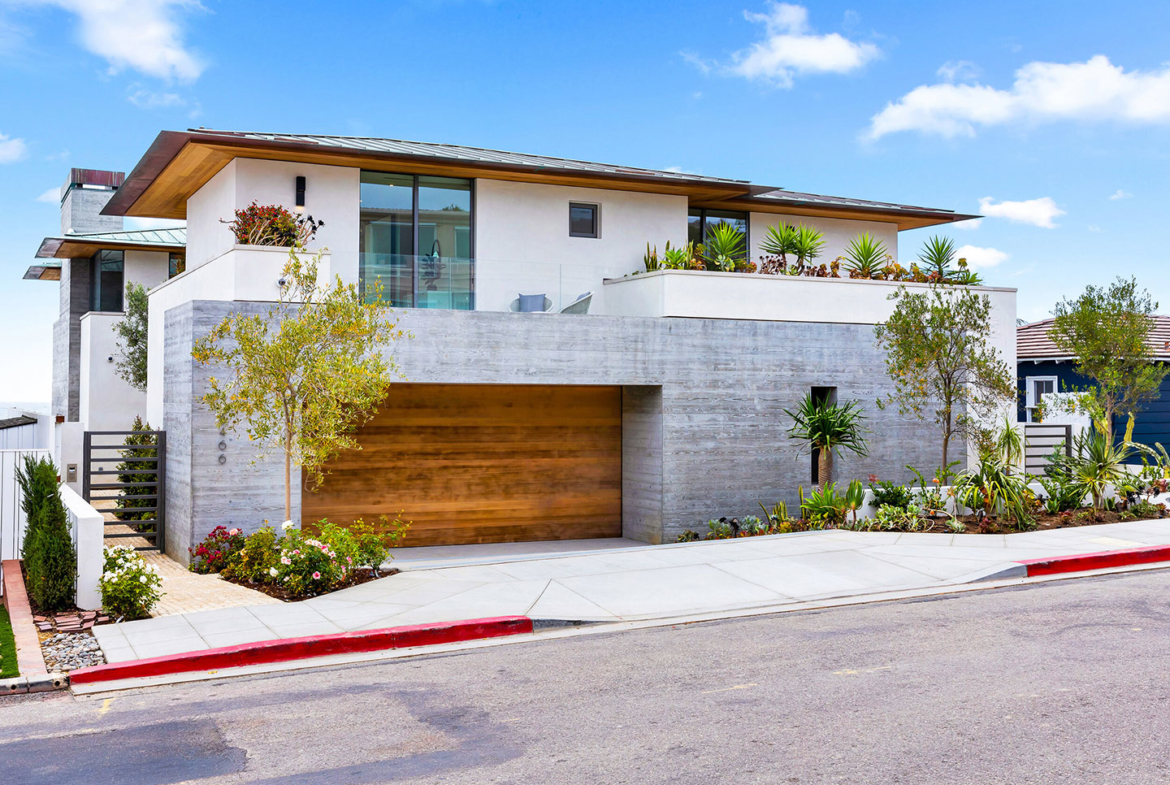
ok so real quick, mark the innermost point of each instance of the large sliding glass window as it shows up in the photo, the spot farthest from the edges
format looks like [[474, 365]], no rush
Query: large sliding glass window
[[416, 240], [106, 281], [700, 222]]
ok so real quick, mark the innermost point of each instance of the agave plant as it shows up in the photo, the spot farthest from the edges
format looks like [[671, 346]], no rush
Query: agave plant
[[725, 246], [827, 426], [865, 256], [937, 256]]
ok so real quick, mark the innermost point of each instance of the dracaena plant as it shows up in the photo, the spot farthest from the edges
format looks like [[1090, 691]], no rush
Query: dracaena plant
[[778, 243], [828, 427], [866, 256], [808, 244]]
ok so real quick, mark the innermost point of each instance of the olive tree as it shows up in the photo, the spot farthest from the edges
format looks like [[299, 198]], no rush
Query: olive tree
[[302, 378], [130, 355], [1107, 330], [941, 360]]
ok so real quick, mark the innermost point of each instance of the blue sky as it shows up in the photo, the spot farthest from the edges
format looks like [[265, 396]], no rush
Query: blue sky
[[1050, 118]]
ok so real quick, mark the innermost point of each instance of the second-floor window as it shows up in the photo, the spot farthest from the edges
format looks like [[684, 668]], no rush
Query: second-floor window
[[700, 222], [106, 281]]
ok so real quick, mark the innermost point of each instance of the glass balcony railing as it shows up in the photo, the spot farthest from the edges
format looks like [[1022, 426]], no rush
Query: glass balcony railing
[[421, 281]]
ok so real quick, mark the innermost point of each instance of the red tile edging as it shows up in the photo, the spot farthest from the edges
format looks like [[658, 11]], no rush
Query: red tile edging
[[288, 649], [1097, 561], [29, 658]]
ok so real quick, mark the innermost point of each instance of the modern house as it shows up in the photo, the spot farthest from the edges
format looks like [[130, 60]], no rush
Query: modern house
[[629, 403], [92, 260], [1044, 369]]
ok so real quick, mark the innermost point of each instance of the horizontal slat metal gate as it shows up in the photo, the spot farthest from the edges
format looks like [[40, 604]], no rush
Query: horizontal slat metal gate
[[1039, 440], [128, 468]]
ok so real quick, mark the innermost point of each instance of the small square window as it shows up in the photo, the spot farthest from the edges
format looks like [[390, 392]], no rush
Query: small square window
[[584, 220]]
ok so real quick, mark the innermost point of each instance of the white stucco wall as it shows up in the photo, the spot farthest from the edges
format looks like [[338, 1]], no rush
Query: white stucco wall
[[149, 268], [522, 242], [838, 233], [332, 195], [106, 402]]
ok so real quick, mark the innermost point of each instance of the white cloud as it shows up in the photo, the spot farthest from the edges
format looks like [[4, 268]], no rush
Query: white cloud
[[52, 196], [970, 224], [1120, 194], [149, 99], [678, 170], [791, 47], [981, 258], [12, 150], [1094, 90], [1037, 212], [958, 71], [142, 35]]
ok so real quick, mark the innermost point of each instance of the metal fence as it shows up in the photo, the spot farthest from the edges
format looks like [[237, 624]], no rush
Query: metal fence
[[12, 522], [125, 473], [1039, 441]]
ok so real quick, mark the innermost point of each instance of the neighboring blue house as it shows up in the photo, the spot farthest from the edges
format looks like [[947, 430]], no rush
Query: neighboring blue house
[[1042, 368]]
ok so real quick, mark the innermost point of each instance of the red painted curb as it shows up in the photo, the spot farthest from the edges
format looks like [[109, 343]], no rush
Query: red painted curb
[[1097, 561], [287, 649]]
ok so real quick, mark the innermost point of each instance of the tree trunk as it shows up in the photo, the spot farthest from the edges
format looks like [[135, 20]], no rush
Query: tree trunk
[[288, 479], [824, 467]]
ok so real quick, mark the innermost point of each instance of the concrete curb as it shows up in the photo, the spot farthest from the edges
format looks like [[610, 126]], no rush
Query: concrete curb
[[29, 659], [45, 682], [1101, 560], [287, 649]]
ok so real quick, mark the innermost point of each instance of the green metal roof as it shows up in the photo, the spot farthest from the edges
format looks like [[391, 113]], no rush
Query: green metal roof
[[175, 237]]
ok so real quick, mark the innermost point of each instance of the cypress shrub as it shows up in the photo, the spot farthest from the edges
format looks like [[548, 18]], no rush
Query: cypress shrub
[[128, 497], [38, 482], [50, 562]]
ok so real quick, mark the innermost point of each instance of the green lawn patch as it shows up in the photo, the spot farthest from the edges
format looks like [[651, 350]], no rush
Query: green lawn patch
[[8, 667]]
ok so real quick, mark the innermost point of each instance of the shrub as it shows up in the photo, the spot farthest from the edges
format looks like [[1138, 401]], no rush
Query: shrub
[[130, 587], [50, 562], [308, 566], [217, 550], [374, 543], [129, 498], [824, 506], [257, 558], [272, 224], [891, 494]]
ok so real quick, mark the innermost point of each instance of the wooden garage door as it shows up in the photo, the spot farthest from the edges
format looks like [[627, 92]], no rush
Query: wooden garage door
[[484, 463]]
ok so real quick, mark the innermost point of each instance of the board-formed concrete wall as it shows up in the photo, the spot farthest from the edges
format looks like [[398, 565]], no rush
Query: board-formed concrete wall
[[703, 421]]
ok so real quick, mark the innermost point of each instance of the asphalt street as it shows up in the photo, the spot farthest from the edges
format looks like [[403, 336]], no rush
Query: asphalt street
[[1048, 683]]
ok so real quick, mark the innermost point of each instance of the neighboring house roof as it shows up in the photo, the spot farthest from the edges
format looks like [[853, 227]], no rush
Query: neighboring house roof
[[180, 162], [73, 246], [1033, 343], [17, 422]]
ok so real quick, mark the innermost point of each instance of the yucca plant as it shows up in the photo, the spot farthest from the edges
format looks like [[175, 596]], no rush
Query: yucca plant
[[779, 241], [991, 488], [937, 256], [827, 426], [865, 256], [725, 246], [1095, 463], [807, 244]]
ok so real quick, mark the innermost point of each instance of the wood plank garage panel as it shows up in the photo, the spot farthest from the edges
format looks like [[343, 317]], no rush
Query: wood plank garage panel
[[484, 463]]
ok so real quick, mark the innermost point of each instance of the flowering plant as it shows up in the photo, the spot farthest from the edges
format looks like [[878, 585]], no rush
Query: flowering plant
[[130, 587], [272, 224], [217, 550], [309, 566]]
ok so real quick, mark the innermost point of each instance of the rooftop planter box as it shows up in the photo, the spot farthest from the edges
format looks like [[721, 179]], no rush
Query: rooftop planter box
[[780, 298]]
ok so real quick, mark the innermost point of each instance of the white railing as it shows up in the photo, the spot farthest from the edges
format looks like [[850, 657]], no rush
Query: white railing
[[87, 526], [12, 522]]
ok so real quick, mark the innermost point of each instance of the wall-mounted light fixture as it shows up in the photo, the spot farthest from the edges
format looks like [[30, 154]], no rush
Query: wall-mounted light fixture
[[300, 193]]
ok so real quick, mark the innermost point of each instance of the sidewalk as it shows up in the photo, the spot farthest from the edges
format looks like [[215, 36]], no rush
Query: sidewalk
[[634, 584]]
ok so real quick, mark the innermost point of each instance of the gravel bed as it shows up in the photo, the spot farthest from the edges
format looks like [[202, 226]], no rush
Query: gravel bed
[[66, 651]]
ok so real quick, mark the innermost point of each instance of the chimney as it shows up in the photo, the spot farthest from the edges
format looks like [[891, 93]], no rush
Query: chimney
[[83, 196]]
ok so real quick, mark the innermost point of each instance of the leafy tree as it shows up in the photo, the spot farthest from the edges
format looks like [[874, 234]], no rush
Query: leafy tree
[[47, 549], [940, 358], [130, 356], [826, 426], [305, 376], [1107, 331]]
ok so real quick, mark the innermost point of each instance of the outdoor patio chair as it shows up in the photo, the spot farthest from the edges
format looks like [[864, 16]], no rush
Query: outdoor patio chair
[[580, 305], [531, 303]]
